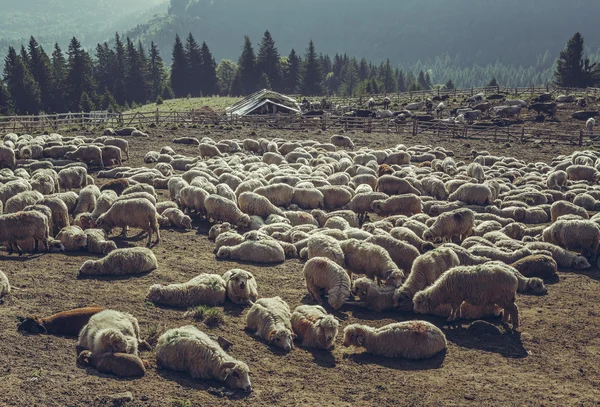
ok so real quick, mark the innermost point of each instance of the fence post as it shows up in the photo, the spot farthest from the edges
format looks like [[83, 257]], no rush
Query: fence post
[[157, 116], [522, 134], [580, 138]]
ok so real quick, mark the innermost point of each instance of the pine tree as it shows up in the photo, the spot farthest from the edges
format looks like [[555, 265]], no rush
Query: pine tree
[[20, 84], [80, 78], [247, 68], [226, 74], [263, 82], [210, 83], [195, 67], [5, 102], [41, 70], [25, 57], [292, 74], [428, 81], [493, 82], [422, 81], [136, 82], [119, 70], [572, 70], [59, 73], [237, 85], [410, 80], [350, 79], [450, 84], [108, 102], [267, 61], [156, 71], [104, 68], [311, 80], [179, 71], [363, 70], [85, 103], [389, 82], [401, 82]]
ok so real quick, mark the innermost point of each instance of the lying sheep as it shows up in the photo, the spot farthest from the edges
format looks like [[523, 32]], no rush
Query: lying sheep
[[407, 204], [322, 216], [261, 251], [270, 318], [73, 238], [498, 254], [320, 274], [187, 349], [137, 213], [111, 331], [367, 258], [119, 262], [372, 296], [241, 286], [223, 210], [473, 194], [536, 265], [4, 285], [23, 226], [458, 223], [426, 269], [484, 285], [177, 218], [393, 185], [218, 229], [314, 327], [583, 173], [564, 258], [202, 289], [410, 340], [98, 243], [119, 364], [68, 323], [561, 208]]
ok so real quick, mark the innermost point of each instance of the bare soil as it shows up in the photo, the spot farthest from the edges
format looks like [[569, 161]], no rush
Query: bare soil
[[551, 361]]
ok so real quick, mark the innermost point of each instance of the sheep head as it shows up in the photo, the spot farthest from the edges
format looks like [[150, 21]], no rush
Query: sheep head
[[114, 340], [282, 338], [89, 267], [236, 375], [421, 303], [101, 223], [290, 251], [354, 335], [243, 221], [239, 279], [32, 324], [328, 327], [536, 286], [403, 300], [224, 252], [428, 235]]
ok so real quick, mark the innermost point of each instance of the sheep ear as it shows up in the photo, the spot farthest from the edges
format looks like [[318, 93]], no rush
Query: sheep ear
[[232, 276], [271, 335], [294, 336], [229, 365]]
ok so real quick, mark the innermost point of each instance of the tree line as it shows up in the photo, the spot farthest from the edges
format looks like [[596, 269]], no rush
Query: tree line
[[124, 74]]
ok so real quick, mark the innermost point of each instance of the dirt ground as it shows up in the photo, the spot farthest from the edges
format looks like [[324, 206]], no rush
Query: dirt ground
[[551, 361]]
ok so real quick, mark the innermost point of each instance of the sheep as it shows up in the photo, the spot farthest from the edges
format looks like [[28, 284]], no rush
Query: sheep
[[43, 182], [473, 194], [111, 331], [407, 235], [457, 223], [117, 185], [367, 258], [261, 251], [224, 210], [536, 265], [73, 238], [314, 327], [483, 285], [589, 126], [208, 150], [4, 285], [583, 173], [187, 349], [361, 202], [254, 204], [241, 286], [557, 180], [68, 323], [320, 273], [278, 194], [111, 155], [564, 258], [574, 235], [118, 142], [342, 142], [192, 198], [320, 245], [118, 364], [137, 213], [21, 200], [322, 217], [7, 158], [202, 289], [178, 218], [561, 208], [13, 188], [498, 254], [410, 339], [475, 170], [104, 203], [587, 202], [218, 229], [98, 243], [24, 226], [392, 185], [87, 154], [426, 269], [60, 212], [270, 318], [407, 204], [372, 296], [308, 198], [401, 253], [134, 260]]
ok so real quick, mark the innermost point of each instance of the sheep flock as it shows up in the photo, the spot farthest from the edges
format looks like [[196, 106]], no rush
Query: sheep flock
[[410, 232]]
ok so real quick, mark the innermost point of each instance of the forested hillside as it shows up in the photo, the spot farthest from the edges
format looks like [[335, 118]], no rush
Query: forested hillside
[[53, 21]]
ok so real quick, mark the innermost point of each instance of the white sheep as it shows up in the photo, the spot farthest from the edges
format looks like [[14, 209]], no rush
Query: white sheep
[[111, 331], [4, 285], [557, 180], [473, 194], [409, 339], [484, 285], [73, 238], [320, 245], [241, 286], [574, 235], [218, 229], [407, 204], [177, 218], [270, 318], [314, 327], [564, 258], [342, 142], [373, 296], [187, 349], [137, 213], [589, 126], [98, 243], [320, 274], [202, 289], [458, 223], [260, 251], [254, 204], [366, 258], [19, 226], [192, 199], [133, 260], [223, 210]]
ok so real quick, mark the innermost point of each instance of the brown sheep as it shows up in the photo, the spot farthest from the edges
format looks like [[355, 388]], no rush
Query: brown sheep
[[118, 185], [68, 323], [384, 169], [118, 364]]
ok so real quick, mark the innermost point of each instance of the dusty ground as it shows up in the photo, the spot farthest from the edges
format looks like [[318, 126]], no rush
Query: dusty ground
[[552, 361]]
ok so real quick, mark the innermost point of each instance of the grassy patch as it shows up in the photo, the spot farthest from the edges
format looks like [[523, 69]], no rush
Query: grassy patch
[[218, 103], [181, 403], [211, 316]]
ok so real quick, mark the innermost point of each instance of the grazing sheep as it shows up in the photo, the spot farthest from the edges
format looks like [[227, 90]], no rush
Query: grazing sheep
[[372, 296], [407, 235], [223, 210], [259, 251], [401, 253], [458, 223], [583, 173], [254, 204], [407, 204], [21, 200], [118, 364], [557, 180], [73, 238], [241, 286], [187, 349], [98, 243], [484, 285], [392, 185], [361, 202], [320, 274], [23, 226], [564, 258], [178, 218], [192, 198], [561, 208], [475, 170], [137, 213], [270, 318], [68, 323], [366, 258], [473, 194], [426, 269], [119, 262], [278, 194], [320, 245], [4, 285], [88, 154], [111, 331], [7, 158], [118, 185], [202, 289], [536, 265], [410, 339], [574, 235], [342, 142], [60, 212], [314, 327], [589, 126]]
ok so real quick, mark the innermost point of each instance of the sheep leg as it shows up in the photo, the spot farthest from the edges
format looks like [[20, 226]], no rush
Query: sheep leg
[[10, 248], [36, 248], [513, 310], [124, 232], [19, 249], [315, 294]]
